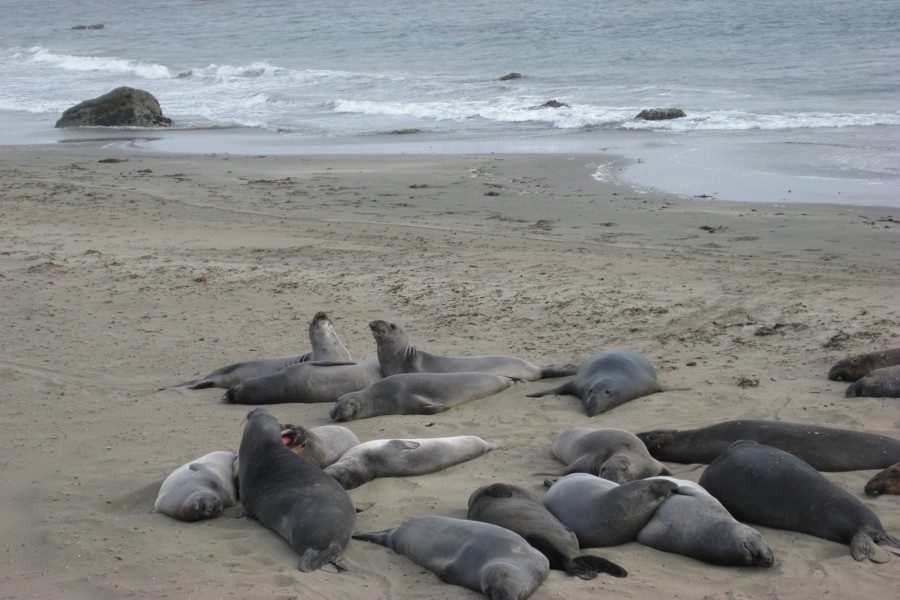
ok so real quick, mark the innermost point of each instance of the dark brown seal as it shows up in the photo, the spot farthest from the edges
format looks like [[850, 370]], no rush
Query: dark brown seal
[[855, 367], [885, 482]]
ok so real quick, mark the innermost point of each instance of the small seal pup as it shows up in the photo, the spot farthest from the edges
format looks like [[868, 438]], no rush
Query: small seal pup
[[824, 448], [404, 458], [608, 379], [479, 556], [885, 482], [767, 486], [200, 489], [879, 383], [613, 454], [693, 523], [307, 382], [855, 367], [290, 496], [417, 394], [396, 355], [602, 512], [516, 509], [326, 346]]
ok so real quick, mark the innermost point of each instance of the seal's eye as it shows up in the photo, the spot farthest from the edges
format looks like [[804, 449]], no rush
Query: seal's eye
[[854, 362]]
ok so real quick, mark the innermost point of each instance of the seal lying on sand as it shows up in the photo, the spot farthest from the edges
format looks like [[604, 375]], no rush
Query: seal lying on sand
[[880, 383], [290, 496], [608, 379], [613, 454], [516, 509], [479, 556], [397, 356], [200, 489], [824, 448], [885, 482], [767, 486], [855, 367], [326, 346]]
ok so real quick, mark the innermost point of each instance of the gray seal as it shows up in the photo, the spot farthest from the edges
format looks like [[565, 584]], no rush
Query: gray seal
[[404, 458], [307, 382], [693, 523], [609, 379], [602, 512], [516, 509], [417, 394], [886, 481], [322, 445], [767, 486], [479, 556], [613, 454], [290, 496], [325, 343], [200, 489], [880, 383], [855, 367], [824, 448], [396, 355]]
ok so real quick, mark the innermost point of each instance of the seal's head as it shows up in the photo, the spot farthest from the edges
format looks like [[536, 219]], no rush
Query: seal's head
[[383, 330], [885, 482], [618, 469], [603, 395], [346, 408], [849, 369]]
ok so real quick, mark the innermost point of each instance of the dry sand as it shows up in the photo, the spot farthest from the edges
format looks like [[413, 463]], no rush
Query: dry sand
[[119, 277]]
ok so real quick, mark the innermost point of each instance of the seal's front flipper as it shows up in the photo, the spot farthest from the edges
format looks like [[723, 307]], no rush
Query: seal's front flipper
[[588, 567]]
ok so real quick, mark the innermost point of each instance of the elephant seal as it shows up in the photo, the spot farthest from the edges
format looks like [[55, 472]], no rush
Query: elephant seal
[[307, 382], [824, 448], [326, 346], [396, 355], [613, 454], [516, 509], [290, 496], [693, 523], [608, 379], [880, 383], [855, 367], [479, 556], [404, 458], [767, 486], [322, 445], [885, 482], [200, 489], [417, 394], [604, 513]]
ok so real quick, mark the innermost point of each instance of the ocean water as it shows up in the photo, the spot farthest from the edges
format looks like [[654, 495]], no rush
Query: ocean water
[[786, 101]]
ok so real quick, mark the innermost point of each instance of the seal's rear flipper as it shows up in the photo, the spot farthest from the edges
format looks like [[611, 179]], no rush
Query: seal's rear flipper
[[194, 384], [557, 391], [863, 546], [376, 537], [314, 559], [558, 370], [588, 567]]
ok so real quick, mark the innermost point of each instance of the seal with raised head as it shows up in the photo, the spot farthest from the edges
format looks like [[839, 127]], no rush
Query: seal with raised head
[[291, 496], [879, 383], [855, 367], [824, 448], [693, 523], [602, 512], [886, 481], [479, 556], [200, 489], [322, 445], [613, 454], [417, 394], [307, 383], [404, 458], [396, 355], [325, 343], [609, 379], [516, 509], [767, 486]]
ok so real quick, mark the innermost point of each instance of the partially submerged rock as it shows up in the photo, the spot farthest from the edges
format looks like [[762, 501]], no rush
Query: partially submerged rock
[[122, 107], [660, 114]]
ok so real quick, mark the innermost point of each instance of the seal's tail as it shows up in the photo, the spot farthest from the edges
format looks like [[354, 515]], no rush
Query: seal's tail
[[588, 567], [558, 370]]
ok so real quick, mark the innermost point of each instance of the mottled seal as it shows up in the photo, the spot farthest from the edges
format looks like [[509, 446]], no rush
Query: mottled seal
[[602, 512], [322, 445], [855, 367], [608, 379], [613, 454], [479, 556], [767, 486], [396, 355], [307, 382], [516, 509], [824, 448], [693, 523], [200, 489], [326, 346], [403, 458], [290, 496], [879, 383], [417, 394], [885, 482]]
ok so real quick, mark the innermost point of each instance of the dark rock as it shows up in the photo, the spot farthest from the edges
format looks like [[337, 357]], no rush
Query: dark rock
[[660, 114], [83, 27], [122, 107], [550, 104], [510, 76]]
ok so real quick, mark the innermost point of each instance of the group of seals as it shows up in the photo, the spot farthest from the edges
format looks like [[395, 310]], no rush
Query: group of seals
[[613, 454], [200, 489]]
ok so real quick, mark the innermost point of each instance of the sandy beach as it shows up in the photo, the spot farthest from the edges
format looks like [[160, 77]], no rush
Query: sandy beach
[[124, 271]]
